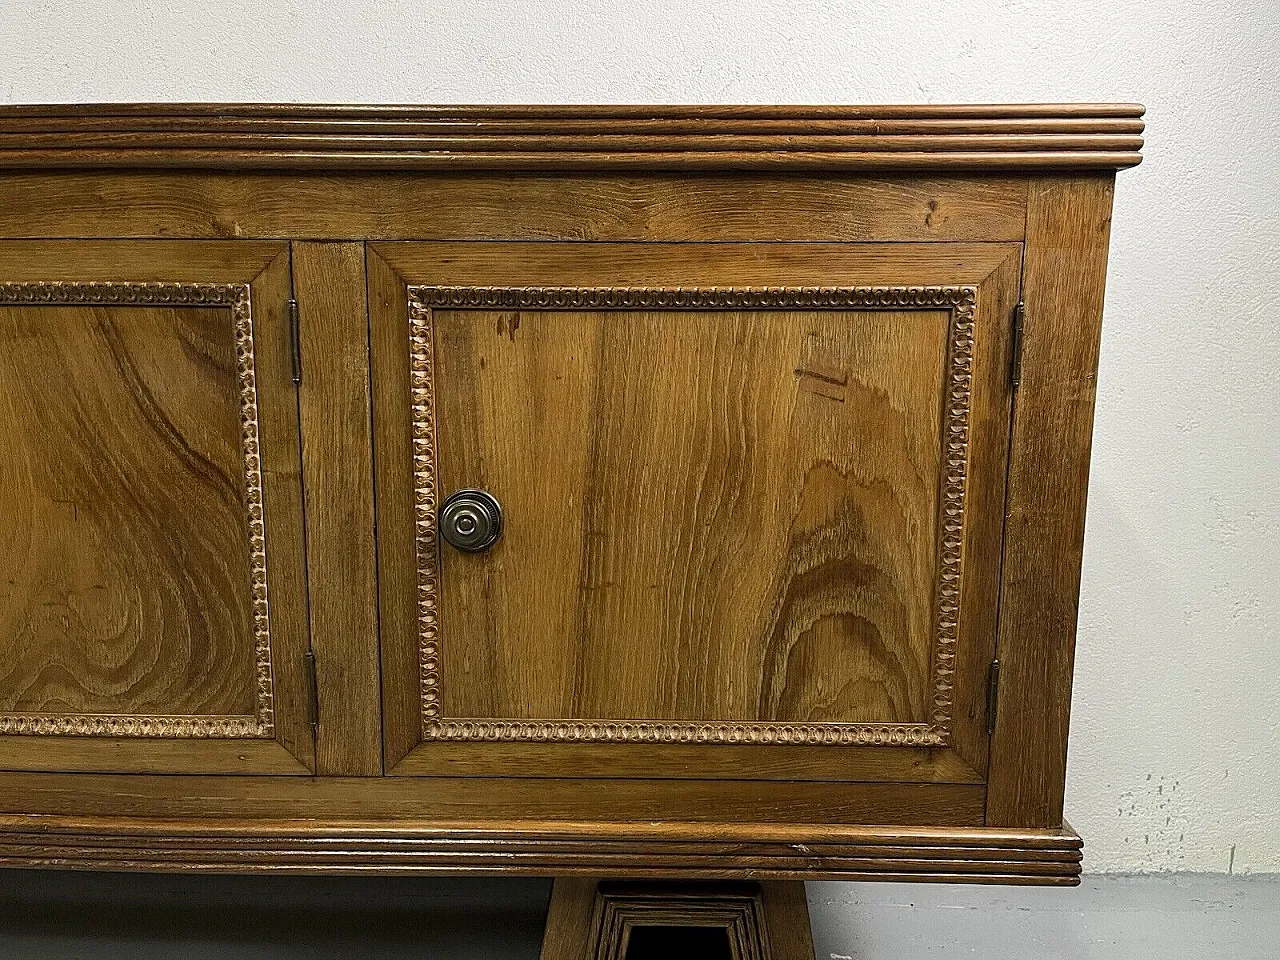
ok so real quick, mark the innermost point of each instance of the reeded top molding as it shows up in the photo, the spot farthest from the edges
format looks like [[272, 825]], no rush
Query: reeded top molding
[[296, 137]]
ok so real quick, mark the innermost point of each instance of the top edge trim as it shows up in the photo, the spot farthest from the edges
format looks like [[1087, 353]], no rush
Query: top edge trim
[[287, 136]]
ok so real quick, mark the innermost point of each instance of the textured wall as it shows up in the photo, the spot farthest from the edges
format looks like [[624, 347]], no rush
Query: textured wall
[[1175, 761]]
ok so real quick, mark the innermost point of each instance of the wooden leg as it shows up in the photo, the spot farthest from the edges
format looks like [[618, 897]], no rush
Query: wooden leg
[[625, 920]]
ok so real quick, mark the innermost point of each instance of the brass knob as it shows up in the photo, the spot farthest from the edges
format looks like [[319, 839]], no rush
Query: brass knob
[[471, 520]]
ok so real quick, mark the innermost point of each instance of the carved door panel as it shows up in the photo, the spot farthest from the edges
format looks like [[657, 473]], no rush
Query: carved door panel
[[751, 507], [152, 604]]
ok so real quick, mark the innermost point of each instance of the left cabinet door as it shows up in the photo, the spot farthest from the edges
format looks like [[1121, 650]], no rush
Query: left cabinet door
[[152, 590]]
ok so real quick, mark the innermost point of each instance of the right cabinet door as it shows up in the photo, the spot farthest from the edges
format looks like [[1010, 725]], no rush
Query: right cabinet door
[[751, 507]]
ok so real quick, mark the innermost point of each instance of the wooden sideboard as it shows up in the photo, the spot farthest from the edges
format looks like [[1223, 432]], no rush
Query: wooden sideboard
[[778, 420]]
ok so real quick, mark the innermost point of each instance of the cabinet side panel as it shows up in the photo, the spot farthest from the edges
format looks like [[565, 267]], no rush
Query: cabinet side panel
[[1068, 223], [338, 469]]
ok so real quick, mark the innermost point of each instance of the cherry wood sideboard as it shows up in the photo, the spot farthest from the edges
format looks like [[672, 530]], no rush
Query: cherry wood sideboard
[[628, 494]]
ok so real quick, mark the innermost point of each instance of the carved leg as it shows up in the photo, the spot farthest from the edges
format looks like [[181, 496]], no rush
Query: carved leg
[[626, 920]]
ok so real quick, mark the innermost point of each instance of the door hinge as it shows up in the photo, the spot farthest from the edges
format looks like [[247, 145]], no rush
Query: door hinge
[[1015, 361], [295, 343], [993, 694], [313, 693]]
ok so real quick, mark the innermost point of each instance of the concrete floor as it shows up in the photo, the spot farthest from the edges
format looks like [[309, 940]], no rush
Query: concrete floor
[[82, 916], [1170, 917]]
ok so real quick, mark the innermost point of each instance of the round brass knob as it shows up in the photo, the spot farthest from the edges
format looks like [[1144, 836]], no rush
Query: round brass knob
[[471, 520]]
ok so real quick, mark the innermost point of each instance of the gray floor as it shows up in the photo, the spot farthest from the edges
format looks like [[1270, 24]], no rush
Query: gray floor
[[69, 916], [1126, 918]]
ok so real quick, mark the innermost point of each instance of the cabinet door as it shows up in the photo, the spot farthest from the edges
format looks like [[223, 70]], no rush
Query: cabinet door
[[751, 507], [152, 606]]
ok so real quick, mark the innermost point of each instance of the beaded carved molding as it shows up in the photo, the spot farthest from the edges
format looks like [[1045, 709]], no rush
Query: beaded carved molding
[[960, 301], [236, 298]]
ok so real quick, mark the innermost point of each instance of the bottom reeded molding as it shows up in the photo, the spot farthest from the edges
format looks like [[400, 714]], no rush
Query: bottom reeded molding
[[663, 850]]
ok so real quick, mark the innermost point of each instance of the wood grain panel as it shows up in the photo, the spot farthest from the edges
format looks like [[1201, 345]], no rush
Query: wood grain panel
[[337, 452], [127, 544], [984, 503], [282, 501], [667, 265], [133, 261], [139, 755], [460, 803], [786, 910], [721, 761], [394, 503], [568, 933], [455, 206], [750, 536], [135, 603], [1068, 225]]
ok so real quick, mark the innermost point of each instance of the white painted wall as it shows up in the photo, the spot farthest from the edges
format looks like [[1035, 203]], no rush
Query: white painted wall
[[1175, 761]]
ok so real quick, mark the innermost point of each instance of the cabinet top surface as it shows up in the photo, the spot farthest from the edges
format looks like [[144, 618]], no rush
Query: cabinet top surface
[[968, 137]]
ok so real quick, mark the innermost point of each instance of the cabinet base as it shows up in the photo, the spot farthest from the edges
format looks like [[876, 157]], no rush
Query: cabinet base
[[164, 824], [620, 920]]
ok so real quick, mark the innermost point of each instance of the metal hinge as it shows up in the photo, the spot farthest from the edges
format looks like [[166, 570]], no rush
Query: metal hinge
[[993, 694], [1015, 362], [295, 343], [313, 693]]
